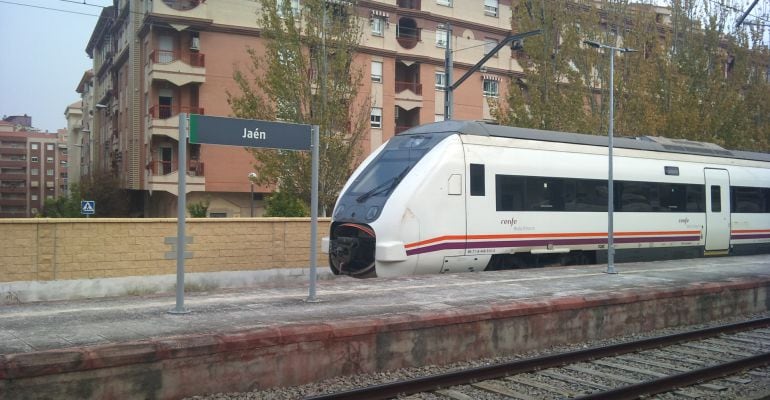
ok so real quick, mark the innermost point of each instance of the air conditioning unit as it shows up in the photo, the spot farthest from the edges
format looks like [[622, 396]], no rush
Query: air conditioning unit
[[195, 44]]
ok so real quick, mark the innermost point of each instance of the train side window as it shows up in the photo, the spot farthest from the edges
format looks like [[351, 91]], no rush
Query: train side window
[[509, 192], [590, 195], [716, 199], [673, 197], [635, 196], [748, 200], [545, 194], [477, 180], [695, 198], [767, 199]]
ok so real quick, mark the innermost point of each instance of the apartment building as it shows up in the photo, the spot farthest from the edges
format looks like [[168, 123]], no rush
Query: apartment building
[[156, 59], [33, 168]]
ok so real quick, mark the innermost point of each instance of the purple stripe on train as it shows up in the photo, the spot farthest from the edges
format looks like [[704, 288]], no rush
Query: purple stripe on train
[[545, 242], [751, 236]]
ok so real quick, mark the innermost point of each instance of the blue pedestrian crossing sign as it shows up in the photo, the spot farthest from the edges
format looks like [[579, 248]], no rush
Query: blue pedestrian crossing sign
[[87, 207]]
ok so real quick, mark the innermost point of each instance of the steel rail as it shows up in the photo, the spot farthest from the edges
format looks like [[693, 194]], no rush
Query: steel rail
[[660, 385], [462, 377]]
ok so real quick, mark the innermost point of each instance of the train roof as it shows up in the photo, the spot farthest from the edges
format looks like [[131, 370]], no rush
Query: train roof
[[649, 143]]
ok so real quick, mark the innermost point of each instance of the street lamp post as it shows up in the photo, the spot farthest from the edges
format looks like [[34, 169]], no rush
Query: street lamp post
[[252, 176], [610, 182]]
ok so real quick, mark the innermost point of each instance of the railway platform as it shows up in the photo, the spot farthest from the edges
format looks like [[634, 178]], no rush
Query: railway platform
[[266, 336]]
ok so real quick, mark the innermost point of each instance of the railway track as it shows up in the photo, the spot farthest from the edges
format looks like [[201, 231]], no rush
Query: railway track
[[687, 365]]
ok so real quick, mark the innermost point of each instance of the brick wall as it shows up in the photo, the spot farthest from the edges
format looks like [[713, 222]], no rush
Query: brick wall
[[44, 249]]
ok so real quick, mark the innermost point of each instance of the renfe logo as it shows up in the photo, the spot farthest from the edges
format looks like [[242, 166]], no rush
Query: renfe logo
[[509, 221], [684, 220]]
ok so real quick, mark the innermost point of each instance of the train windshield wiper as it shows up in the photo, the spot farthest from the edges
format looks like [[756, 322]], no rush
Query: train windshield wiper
[[383, 187]]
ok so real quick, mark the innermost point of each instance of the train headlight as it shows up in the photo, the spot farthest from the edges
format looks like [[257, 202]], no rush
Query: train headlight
[[372, 213]]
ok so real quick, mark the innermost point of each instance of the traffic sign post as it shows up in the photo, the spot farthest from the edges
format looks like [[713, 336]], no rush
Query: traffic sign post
[[239, 132]]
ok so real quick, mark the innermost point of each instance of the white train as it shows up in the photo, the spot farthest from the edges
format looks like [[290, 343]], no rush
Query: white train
[[467, 196]]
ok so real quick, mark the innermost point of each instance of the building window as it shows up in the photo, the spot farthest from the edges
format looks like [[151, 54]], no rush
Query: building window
[[378, 26], [34, 146], [34, 184], [440, 80], [447, 3], [49, 172], [49, 197], [49, 147], [63, 163], [49, 159], [34, 171], [49, 185], [376, 117], [491, 88], [490, 7], [294, 4], [33, 159], [217, 215], [33, 197], [489, 45], [441, 38], [376, 71]]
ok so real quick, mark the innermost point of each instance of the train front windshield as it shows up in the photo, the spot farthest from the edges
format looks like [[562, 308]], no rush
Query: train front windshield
[[384, 174]]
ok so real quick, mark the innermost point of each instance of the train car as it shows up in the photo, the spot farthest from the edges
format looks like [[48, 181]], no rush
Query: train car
[[468, 196]]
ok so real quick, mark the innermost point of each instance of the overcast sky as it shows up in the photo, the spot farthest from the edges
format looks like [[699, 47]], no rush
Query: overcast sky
[[42, 57]]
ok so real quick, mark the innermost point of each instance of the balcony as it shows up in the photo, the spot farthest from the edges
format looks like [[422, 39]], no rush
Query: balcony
[[13, 202], [164, 175], [168, 56], [13, 163], [13, 176], [7, 188], [164, 120], [409, 4], [13, 150], [407, 33], [406, 119], [414, 87], [179, 68]]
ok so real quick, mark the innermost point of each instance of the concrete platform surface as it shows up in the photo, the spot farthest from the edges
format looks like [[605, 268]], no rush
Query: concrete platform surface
[[38, 340]]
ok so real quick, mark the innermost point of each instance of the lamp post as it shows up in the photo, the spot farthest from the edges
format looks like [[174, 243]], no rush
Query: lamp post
[[252, 176], [610, 182]]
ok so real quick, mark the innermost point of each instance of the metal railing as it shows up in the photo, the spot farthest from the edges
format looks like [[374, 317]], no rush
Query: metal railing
[[160, 168], [408, 37], [167, 56], [162, 111], [415, 87]]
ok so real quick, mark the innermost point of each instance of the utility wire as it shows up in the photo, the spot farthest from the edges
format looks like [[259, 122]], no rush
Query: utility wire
[[47, 8], [83, 3]]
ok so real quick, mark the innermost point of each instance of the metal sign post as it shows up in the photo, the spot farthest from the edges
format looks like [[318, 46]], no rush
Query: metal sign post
[[313, 215], [246, 133], [181, 214]]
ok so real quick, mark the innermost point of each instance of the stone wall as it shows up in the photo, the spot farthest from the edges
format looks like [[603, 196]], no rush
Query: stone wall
[[45, 249]]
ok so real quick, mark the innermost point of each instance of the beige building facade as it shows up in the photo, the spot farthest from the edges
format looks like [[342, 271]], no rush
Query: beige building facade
[[156, 59]]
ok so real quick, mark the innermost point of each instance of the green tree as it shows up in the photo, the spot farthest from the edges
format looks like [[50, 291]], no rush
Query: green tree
[[64, 206], [693, 77], [306, 75], [199, 209], [105, 189], [282, 204]]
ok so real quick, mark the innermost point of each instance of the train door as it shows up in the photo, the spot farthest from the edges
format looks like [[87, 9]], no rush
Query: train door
[[717, 211]]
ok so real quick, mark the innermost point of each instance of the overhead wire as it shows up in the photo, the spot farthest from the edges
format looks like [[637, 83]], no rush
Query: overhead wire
[[47, 8]]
